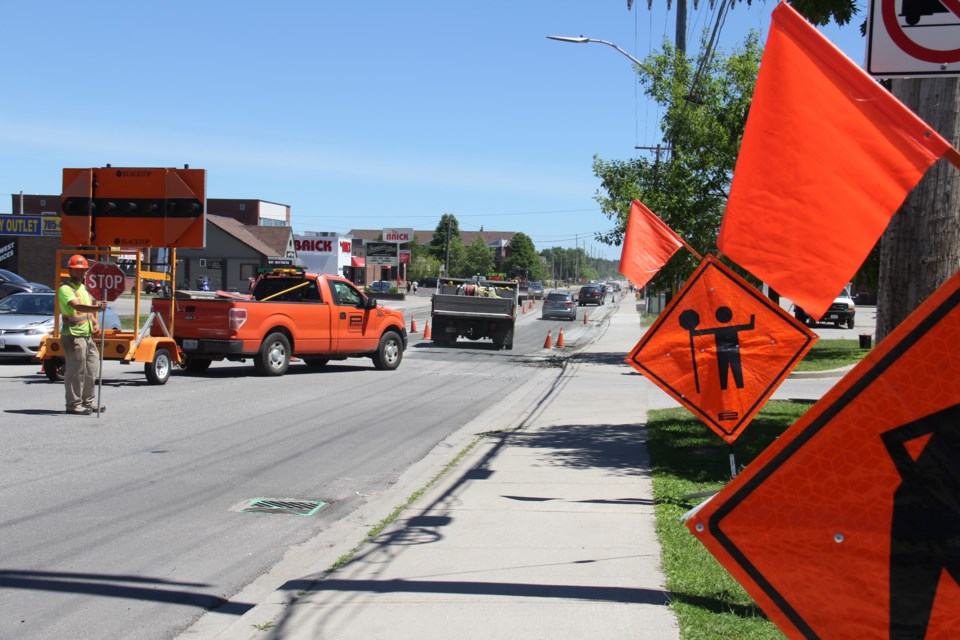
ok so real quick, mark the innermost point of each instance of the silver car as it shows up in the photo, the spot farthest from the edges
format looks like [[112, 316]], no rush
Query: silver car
[[559, 304], [25, 318]]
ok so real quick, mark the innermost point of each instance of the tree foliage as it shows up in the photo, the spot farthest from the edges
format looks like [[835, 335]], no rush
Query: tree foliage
[[522, 259], [478, 257]]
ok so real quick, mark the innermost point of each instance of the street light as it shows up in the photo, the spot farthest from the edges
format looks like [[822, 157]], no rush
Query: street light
[[582, 40]]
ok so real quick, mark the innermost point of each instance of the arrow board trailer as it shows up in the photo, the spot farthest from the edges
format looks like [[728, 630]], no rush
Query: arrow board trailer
[[474, 309], [158, 354]]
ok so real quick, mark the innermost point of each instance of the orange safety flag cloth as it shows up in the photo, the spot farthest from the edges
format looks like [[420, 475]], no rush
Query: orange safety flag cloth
[[828, 156], [647, 245]]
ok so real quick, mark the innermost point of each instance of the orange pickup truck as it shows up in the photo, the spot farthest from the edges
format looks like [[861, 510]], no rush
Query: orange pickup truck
[[317, 318]]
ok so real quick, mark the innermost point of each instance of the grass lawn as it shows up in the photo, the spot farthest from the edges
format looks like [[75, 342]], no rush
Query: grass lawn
[[832, 354], [689, 458]]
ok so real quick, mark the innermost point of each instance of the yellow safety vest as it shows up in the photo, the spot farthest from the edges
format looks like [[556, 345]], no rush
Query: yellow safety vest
[[75, 323]]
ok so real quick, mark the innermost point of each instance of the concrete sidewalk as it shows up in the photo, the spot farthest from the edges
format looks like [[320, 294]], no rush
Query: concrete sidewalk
[[544, 530]]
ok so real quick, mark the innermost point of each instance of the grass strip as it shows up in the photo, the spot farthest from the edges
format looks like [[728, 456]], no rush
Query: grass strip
[[689, 458], [832, 354]]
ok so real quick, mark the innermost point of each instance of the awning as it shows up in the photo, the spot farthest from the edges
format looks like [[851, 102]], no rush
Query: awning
[[356, 261]]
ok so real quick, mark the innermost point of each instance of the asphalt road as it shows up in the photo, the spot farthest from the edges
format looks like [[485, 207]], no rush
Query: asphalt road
[[126, 526]]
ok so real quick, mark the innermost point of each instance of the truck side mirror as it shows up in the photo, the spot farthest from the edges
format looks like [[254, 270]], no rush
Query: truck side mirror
[[370, 303]]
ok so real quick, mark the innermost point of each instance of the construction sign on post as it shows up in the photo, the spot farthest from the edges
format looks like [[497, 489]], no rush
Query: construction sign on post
[[848, 525], [721, 348], [134, 207]]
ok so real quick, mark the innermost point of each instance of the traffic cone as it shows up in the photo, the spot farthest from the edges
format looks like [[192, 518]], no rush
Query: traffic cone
[[548, 343], [523, 308], [413, 325], [426, 331], [560, 338], [585, 321], [531, 304]]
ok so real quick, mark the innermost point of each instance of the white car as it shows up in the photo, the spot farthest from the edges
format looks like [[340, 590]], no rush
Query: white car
[[25, 318]]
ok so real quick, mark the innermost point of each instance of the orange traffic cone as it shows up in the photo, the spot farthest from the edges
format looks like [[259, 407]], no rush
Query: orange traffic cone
[[548, 343], [560, 338], [426, 331], [523, 308], [585, 321], [531, 304], [413, 325]]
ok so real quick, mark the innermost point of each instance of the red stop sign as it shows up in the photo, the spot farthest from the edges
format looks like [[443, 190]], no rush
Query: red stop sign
[[105, 281]]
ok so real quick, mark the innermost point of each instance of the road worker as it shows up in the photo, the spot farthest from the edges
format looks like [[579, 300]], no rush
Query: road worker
[[79, 312]]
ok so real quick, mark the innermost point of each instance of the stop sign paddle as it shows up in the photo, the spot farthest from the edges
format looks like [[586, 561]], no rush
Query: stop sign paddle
[[105, 281]]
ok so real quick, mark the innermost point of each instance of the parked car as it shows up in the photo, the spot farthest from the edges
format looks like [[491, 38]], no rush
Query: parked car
[[590, 294], [559, 304], [25, 318], [842, 311], [380, 286], [11, 283], [535, 290]]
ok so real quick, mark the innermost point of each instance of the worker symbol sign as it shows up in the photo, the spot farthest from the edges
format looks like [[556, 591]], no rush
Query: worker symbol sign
[[721, 348], [848, 525]]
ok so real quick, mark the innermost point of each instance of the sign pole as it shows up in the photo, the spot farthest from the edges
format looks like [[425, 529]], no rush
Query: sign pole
[[733, 463], [100, 370]]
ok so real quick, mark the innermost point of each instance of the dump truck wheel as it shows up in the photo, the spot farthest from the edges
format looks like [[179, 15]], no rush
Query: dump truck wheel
[[158, 371], [197, 365], [316, 363]]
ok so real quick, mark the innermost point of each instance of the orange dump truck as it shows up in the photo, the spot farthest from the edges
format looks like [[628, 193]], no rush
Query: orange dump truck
[[316, 318]]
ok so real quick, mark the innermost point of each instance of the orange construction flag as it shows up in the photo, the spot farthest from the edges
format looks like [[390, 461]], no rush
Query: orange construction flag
[[827, 158], [647, 245]]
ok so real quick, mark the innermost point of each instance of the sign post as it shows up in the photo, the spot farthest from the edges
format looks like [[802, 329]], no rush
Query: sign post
[[104, 281]]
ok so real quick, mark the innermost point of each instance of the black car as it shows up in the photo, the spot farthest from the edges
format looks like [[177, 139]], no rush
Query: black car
[[11, 283], [590, 294]]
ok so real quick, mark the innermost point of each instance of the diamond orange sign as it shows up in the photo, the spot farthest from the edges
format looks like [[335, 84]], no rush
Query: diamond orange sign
[[721, 348], [848, 526]]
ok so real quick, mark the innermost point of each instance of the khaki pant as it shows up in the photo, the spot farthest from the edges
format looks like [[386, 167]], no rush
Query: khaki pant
[[82, 364]]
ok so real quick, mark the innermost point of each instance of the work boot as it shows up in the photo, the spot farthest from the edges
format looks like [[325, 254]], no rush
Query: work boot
[[79, 411], [92, 408]]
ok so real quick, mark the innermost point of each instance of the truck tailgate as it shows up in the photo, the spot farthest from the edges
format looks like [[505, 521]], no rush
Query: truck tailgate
[[479, 307]]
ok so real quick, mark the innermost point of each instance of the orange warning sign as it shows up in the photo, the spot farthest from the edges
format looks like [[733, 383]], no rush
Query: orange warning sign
[[133, 207], [721, 348], [848, 526]]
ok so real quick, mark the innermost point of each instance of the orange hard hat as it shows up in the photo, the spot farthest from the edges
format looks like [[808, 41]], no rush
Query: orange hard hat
[[78, 262]]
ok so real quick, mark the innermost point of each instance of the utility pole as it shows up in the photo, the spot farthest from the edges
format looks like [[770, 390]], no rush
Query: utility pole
[[446, 262]]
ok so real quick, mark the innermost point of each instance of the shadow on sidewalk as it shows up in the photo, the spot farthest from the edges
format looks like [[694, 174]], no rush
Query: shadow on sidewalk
[[612, 446]]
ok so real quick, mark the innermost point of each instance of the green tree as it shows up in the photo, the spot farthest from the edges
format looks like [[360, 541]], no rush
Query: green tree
[[447, 227], [478, 258], [522, 260], [458, 258]]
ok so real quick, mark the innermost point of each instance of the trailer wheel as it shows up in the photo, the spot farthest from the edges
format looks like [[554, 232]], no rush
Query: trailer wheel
[[158, 371], [389, 352], [273, 358], [54, 368]]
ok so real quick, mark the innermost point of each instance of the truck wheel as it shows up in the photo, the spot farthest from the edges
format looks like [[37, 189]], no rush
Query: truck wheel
[[54, 368], [849, 323], [158, 371], [197, 365], [389, 352], [316, 363], [273, 358]]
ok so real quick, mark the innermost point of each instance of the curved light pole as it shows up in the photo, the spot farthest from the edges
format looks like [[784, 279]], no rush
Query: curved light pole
[[582, 40]]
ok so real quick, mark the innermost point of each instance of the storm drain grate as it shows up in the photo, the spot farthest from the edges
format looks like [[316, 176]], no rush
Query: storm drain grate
[[283, 506]]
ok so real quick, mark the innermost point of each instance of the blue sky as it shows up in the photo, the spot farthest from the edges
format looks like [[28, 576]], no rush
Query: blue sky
[[358, 115]]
